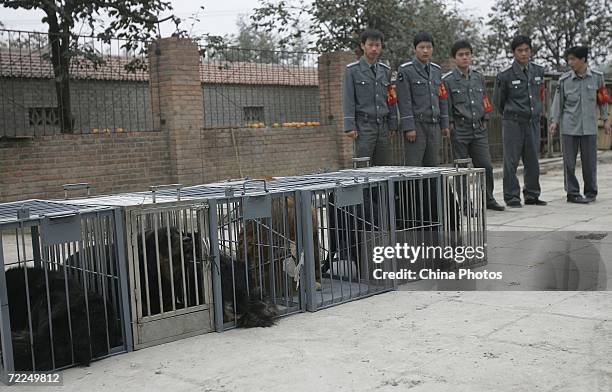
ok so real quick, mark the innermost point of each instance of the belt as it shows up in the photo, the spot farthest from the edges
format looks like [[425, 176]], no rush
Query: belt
[[372, 119], [422, 117], [512, 115], [467, 122]]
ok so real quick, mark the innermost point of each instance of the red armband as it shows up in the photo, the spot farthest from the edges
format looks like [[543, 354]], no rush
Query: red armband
[[442, 93], [602, 96], [391, 95]]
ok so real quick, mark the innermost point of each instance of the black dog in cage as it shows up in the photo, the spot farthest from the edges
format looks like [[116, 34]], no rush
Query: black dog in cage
[[55, 322], [349, 227], [163, 254], [249, 308]]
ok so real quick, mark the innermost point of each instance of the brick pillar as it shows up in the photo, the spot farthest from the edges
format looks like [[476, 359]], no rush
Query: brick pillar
[[176, 99], [331, 71]]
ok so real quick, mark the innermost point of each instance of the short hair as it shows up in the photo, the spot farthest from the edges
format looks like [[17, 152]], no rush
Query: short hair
[[520, 40], [580, 52], [423, 37], [461, 44], [373, 34]]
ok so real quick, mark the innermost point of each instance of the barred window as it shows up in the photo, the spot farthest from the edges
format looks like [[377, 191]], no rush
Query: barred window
[[253, 114], [45, 116]]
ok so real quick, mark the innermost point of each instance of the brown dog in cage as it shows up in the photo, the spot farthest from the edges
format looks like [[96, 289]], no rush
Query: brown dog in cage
[[274, 239], [247, 307]]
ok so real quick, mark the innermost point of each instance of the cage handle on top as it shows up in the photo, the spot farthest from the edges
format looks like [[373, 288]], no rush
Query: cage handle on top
[[75, 187], [156, 188], [464, 161], [356, 161], [265, 184]]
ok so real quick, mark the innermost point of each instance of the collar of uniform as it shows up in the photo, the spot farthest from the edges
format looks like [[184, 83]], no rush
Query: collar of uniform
[[588, 73], [518, 69], [458, 74], [365, 67], [421, 67]]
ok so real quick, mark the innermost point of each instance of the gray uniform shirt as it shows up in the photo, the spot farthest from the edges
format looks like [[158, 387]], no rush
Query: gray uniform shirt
[[364, 96], [517, 94], [575, 103], [466, 98], [418, 95]]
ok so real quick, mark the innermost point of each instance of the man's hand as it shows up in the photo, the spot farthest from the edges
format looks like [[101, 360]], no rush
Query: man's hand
[[552, 129], [607, 127], [410, 136], [445, 132], [352, 134]]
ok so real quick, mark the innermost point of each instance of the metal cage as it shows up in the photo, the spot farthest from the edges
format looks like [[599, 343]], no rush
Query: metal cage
[[168, 258], [63, 286]]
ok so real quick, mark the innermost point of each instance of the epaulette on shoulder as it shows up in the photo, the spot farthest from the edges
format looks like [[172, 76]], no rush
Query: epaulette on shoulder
[[435, 65], [506, 69], [384, 65], [352, 64], [597, 72], [447, 74], [565, 75], [406, 64], [537, 65]]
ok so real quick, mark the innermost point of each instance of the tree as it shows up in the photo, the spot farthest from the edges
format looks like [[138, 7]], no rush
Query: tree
[[253, 45], [554, 26], [133, 21], [336, 24]]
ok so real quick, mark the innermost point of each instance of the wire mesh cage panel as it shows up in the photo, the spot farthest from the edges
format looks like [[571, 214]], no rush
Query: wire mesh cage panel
[[464, 214], [63, 286], [350, 219], [246, 237], [434, 208], [169, 264], [259, 237]]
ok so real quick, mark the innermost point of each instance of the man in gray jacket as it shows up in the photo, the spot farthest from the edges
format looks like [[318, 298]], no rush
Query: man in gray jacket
[[519, 92], [579, 94], [368, 102], [469, 110], [422, 105]]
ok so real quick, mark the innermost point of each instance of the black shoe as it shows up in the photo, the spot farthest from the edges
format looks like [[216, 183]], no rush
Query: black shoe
[[495, 206], [578, 199], [590, 199], [535, 202], [514, 204]]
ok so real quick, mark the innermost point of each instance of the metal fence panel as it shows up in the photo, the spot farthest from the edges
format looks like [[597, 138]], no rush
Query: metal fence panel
[[62, 296], [102, 88]]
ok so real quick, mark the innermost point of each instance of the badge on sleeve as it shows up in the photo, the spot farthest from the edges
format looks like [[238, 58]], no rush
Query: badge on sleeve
[[488, 108], [391, 95], [602, 96], [442, 93]]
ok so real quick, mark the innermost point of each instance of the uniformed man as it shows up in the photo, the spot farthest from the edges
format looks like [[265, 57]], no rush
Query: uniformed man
[[579, 93], [368, 102], [469, 110], [422, 105], [519, 92]]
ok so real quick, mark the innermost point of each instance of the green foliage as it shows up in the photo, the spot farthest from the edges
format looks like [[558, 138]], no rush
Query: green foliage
[[331, 25], [554, 26]]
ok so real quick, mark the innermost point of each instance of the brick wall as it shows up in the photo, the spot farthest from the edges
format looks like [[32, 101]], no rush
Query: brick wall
[[183, 150], [121, 162], [267, 152], [331, 72], [114, 162]]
